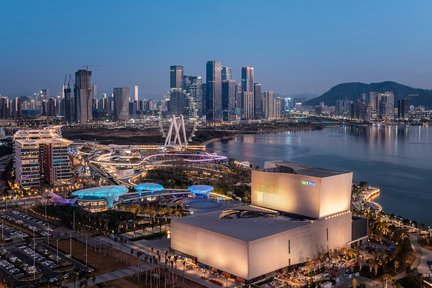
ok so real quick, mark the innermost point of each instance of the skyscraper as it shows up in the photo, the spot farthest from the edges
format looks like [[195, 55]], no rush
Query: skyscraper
[[193, 86], [228, 99], [247, 79], [226, 73], [271, 105], [248, 105], [121, 104], [247, 85], [381, 105], [178, 103], [136, 96], [176, 76], [83, 96], [257, 100], [386, 106], [403, 109], [213, 91]]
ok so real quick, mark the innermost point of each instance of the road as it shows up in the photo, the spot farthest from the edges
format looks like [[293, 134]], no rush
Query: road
[[422, 256]]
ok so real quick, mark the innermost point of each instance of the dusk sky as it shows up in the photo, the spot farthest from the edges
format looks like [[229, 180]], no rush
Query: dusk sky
[[295, 46]]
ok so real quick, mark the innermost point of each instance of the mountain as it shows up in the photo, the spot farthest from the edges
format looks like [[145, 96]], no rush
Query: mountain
[[353, 91], [304, 95]]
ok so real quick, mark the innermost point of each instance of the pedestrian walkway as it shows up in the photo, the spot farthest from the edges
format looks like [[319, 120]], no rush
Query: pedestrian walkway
[[422, 256], [113, 275], [190, 274]]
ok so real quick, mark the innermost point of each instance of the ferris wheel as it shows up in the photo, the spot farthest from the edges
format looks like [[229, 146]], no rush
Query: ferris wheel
[[178, 120]]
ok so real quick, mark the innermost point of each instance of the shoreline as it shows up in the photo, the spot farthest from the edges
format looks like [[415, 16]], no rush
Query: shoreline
[[246, 132]]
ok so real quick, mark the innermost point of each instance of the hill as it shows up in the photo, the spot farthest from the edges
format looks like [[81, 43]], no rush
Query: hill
[[354, 90]]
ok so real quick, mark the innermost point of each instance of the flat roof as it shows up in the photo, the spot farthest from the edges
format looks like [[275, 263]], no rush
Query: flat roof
[[245, 229], [300, 168]]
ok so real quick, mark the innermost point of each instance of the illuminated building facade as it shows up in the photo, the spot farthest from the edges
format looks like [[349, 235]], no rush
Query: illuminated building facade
[[41, 154], [251, 242], [301, 190]]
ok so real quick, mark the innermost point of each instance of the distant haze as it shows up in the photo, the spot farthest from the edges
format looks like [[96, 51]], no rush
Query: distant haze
[[295, 46]]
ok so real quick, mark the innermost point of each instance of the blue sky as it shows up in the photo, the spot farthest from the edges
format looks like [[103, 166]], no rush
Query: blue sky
[[295, 46]]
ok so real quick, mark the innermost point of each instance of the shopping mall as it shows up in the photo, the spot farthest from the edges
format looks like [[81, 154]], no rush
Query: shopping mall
[[297, 213]]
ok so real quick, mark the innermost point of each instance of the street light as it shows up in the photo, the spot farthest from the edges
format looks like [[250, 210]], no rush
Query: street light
[[57, 250]]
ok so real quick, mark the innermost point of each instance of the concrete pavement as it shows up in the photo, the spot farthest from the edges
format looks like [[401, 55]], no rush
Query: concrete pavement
[[113, 275], [191, 275]]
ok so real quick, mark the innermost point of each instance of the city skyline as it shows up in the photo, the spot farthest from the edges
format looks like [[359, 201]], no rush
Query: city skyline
[[290, 63]]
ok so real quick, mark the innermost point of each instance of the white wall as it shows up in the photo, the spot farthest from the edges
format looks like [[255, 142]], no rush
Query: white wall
[[184, 238], [285, 192], [306, 242], [252, 259], [335, 194], [215, 250]]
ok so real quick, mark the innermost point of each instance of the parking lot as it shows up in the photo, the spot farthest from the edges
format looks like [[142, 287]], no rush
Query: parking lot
[[9, 234], [26, 260], [30, 223], [26, 264]]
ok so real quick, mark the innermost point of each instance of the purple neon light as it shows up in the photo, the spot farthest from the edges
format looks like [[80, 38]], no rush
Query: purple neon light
[[209, 157]]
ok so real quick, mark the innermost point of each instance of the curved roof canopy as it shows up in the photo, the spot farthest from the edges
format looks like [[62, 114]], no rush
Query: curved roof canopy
[[200, 189], [149, 187], [109, 193]]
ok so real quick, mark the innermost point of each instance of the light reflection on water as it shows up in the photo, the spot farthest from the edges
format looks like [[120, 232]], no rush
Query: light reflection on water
[[397, 159]]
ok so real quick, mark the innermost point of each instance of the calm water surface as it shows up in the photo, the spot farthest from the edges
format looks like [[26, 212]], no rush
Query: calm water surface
[[396, 159]]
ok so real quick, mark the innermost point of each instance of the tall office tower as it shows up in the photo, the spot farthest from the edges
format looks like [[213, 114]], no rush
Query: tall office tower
[[247, 85], [193, 86], [16, 108], [111, 104], [403, 109], [204, 99], [178, 103], [238, 100], [136, 96], [381, 105], [94, 92], [104, 103], [83, 96], [176, 76], [43, 94], [257, 101], [248, 105], [62, 91], [51, 107], [121, 104], [69, 105], [271, 105], [386, 106], [213, 91], [228, 99], [44, 105], [41, 154], [132, 108], [226, 73], [278, 107], [4, 108], [247, 79]]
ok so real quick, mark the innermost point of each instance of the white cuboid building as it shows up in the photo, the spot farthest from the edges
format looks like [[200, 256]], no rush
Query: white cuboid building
[[250, 242], [251, 247]]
